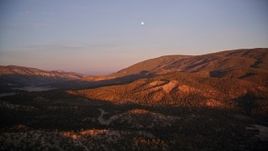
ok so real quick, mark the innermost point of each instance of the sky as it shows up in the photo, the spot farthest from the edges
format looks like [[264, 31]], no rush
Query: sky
[[104, 36]]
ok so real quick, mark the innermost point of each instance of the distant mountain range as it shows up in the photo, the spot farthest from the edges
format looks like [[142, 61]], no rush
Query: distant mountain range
[[17, 77], [27, 71], [213, 79], [233, 63]]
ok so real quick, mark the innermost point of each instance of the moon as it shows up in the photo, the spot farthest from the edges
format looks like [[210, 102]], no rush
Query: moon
[[142, 23]]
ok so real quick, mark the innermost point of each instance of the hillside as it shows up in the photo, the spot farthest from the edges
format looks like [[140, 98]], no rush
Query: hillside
[[250, 64], [24, 78], [214, 80], [27, 71], [156, 65]]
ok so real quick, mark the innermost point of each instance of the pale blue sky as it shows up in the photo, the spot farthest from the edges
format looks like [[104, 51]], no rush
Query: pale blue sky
[[102, 36]]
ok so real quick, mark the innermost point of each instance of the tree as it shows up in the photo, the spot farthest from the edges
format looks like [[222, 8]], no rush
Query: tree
[[247, 102]]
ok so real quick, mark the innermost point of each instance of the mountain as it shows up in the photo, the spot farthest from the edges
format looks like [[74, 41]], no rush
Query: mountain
[[220, 79], [156, 65], [243, 63], [26, 78], [18, 77], [27, 71]]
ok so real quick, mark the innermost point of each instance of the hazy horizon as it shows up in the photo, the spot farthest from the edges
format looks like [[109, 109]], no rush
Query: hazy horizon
[[107, 72], [101, 37]]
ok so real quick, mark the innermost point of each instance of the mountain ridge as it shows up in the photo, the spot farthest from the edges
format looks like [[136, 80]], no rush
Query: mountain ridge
[[194, 63], [245, 64], [22, 70], [158, 65], [220, 79]]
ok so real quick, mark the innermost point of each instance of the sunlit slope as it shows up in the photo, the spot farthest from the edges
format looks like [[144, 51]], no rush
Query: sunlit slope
[[214, 80], [250, 64]]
